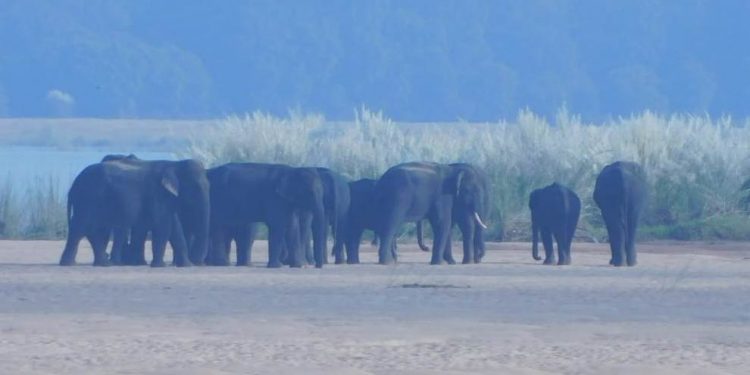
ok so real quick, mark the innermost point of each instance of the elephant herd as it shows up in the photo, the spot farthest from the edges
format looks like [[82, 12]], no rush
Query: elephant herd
[[200, 212]]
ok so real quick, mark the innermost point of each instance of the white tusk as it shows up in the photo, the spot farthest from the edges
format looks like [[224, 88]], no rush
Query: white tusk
[[479, 220]]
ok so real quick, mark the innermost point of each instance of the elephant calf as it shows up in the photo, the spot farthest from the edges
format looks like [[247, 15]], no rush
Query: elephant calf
[[555, 210], [620, 193]]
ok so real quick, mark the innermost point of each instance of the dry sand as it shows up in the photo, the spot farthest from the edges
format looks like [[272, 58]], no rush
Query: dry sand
[[684, 310]]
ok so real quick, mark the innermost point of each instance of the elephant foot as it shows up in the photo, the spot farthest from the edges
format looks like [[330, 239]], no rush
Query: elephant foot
[[102, 263], [186, 263], [352, 261], [549, 262], [436, 262], [632, 263], [220, 263], [467, 261], [387, 262], [618, 263], [243, 264], [139, 262], [276, 264], [158, 264], [477, 260], [67, 262]]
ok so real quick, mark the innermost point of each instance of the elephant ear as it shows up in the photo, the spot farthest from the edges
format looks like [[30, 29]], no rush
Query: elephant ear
[[170, 183]]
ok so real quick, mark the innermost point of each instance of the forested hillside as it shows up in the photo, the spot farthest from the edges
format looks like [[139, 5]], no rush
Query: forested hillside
[[418, 60]]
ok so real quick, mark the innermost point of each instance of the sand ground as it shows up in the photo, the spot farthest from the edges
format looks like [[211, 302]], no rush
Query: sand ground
[[684, 310]]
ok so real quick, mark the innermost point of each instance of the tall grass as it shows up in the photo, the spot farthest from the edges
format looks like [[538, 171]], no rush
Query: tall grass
[[695, 164], [39, 212]]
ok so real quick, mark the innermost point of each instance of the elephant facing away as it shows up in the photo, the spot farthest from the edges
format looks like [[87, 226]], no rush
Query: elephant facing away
[[555, 210], [120, 195], [278, 195], [336, 202], [423, 190], [360, 218], [621, 193]]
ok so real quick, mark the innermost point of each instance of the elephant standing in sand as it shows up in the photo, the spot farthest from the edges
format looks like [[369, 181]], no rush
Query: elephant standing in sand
[[443, 194], [620, 193], [555, 210], [142, 196]]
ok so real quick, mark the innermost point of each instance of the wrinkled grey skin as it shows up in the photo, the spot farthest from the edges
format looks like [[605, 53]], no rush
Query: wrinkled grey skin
[[621, 193], [439, 193], [360, 218], [117, 196], [555, 210], [279, 196]]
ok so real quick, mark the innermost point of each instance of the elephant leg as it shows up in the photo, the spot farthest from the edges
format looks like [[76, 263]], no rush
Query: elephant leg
[[179, 244], [244, 239], [339, 238], [159, 240], [275, 243], [75, 235], [478, 244], [220, 241], [448, 252], [560, 236], [549, 246], [354, 237], [292, 239], [440, 221], [98, 240], [616, 231], [387, 234], [119, 242], [632, 226], [467, 231], [305, 224], [135, 253]]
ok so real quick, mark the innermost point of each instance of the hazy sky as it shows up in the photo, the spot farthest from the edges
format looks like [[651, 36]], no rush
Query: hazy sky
[[416, 60]]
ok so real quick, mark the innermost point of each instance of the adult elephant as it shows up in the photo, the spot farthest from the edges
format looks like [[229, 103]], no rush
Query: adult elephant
[[437, 192], [119, 195], [620, 193], [336, 201], [279, 196], [360, 218], [555, 210], [128, 244]]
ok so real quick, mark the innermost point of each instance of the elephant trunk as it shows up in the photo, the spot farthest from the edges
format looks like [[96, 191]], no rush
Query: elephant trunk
[[534, 240], [199, 244], [319, 229], [420, 237]]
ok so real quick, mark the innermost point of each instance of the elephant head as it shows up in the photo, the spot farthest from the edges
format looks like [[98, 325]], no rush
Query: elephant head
[[471, 204], [188, 183]]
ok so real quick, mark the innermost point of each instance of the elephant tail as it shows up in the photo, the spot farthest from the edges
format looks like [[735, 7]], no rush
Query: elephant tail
[[420, 237]]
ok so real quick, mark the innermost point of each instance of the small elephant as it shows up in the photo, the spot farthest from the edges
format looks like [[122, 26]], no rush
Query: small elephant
[[620, 193], [119, 195], [360, 218], [555, 210]]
